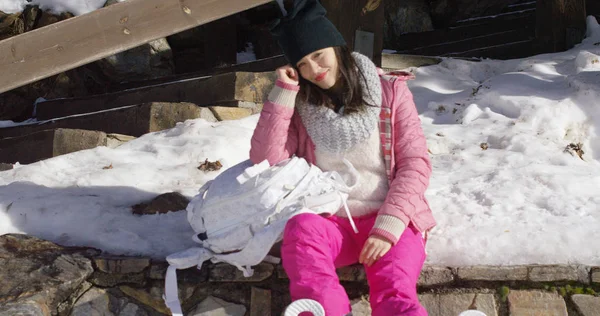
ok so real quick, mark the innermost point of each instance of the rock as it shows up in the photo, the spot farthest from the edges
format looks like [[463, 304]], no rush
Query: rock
[[37, 275], [454, 304], [434, 275], [596, 275], [102, 302], [229, 273], [352, 273], [360, 307], [524, 303], [148, 61], [208, 115], [405, 17], [11, 25], [30, 15], [65, 307], [554, 273], [47, 18], [281, 272], [492, 273], [431, 302], [152, 299], [116, 140], [168, 202], [24, 308], [95, 302], [122, 265], [226, 113], [390, 62], [213, 306], [103, 279], [587, 305], [6, 166], [260, 302]]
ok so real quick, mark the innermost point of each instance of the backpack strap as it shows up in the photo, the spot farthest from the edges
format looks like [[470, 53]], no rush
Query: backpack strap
[[171, 296]]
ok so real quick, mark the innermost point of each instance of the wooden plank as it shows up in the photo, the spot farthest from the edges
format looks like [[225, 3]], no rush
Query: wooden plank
[[47, 144], [262, 65], [134, 120], [242, 86], [80, 40], [473, 43], [411, 41], [592, 7], [560, 24], [511, 50]]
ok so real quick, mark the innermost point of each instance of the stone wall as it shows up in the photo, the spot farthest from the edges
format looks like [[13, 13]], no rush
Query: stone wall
[[38, 277]]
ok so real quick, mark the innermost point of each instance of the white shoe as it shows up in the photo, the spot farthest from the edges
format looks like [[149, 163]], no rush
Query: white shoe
[[304, 305]]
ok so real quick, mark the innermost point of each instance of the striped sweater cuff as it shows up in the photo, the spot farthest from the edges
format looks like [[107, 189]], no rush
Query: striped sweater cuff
[[388, 227], [284, 94]]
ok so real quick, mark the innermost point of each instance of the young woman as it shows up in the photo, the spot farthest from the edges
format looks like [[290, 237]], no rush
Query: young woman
[[330, 104]]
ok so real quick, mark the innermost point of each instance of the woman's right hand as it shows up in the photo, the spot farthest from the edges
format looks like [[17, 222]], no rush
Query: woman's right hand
[[287, 74]]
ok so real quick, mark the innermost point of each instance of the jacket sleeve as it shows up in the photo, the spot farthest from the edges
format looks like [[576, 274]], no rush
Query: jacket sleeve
[[276, 137], [412, 169]]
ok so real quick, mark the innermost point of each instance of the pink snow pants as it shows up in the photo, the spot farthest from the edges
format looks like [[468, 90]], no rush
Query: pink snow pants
[[314, 246]]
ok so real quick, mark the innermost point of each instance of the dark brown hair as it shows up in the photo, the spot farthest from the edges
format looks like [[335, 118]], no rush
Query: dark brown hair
[[351, 92]]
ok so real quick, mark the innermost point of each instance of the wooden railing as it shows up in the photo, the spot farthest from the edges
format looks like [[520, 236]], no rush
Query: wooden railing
[[77, 41]]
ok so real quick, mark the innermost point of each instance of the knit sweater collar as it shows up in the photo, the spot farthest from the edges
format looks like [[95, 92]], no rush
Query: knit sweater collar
[[337, 133]]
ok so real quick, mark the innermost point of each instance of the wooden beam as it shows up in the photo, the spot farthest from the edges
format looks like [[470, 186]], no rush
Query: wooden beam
[[560, 24], [68, 44]]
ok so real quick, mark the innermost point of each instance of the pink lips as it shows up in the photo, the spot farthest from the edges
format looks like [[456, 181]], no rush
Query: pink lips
[[321, 76]]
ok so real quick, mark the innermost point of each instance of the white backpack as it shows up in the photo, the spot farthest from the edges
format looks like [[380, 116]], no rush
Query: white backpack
[[242, 213]]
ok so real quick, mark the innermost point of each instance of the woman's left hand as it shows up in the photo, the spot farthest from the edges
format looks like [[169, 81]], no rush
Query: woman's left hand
[[375, 247]]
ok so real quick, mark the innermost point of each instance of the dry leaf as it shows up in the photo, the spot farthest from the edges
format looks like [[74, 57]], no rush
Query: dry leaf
[[484, 146], [210, 166], [575, 148], [108, 167]]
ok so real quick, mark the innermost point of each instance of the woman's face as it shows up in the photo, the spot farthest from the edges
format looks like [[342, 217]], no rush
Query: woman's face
[[320, 67]]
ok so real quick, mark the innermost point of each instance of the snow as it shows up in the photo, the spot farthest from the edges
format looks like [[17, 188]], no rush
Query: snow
[[73, 201], [522, 200], [77, 7], [247, 55]]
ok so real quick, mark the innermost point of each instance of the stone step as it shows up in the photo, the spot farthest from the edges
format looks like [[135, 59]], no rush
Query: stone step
[[587, 305], [134, 120], [99, 283], [51, 143], [455, 303], [202, 91], [524, 303]]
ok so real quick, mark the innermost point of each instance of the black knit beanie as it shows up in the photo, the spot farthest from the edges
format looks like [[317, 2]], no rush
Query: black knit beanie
[[305, 29]]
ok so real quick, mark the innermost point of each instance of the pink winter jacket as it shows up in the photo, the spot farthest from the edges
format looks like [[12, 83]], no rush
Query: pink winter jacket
[[280, 134]]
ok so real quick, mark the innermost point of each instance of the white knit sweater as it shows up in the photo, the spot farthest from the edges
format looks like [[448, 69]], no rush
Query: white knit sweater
[[368, 196]]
